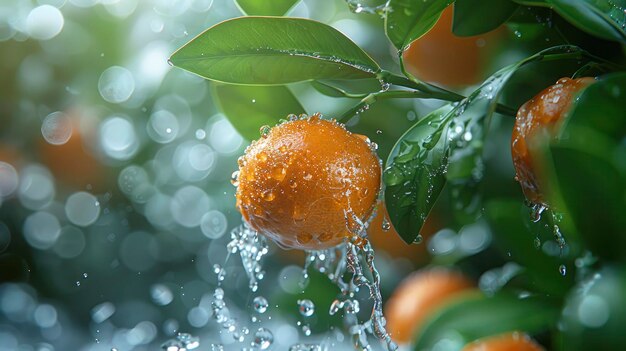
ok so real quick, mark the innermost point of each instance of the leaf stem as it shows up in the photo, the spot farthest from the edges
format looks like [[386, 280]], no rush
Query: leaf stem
[[435, 92]]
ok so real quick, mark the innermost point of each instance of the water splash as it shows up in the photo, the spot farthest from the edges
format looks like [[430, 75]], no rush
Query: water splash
[[348, 262], [251, 247], [182, 342]]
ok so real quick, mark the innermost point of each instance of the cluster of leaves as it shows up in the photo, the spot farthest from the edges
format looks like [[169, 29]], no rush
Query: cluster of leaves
[[251, 59]]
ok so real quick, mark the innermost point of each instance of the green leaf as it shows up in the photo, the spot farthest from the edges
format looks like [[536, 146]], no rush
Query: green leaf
[[593, 190], [476, 316], [265, 7], [415, 173], [417, 167], [601, 107], [603, 18], [591, 147], [471, 18], [407, 20], [540, 3], [334, 91], [250, 107], [273, 50], [514, 235]]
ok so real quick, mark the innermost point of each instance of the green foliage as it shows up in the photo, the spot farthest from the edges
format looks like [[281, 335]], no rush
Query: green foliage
[[585, 169], [470, 19], [418, 167], [415, 173], [595, 314], [409, 20], [516, 237], [602, 18], [249, 107], [265, 8], [273, 50], [476, 316]]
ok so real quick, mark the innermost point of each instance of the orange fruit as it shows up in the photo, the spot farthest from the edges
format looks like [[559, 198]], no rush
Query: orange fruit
[[542, 115], [418, 296], [514, 341], [71, 163], [307, 183], [443, 58]]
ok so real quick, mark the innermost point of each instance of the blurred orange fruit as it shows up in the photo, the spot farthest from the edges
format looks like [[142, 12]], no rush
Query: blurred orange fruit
[[71, 163], [542, 115], [418, 296], [308, 183], [443, 58], [514, 341]]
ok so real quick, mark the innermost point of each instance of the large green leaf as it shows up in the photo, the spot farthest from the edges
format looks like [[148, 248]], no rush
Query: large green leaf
[[472, 18], [407, 20], [265, 7], [417, 167], [587, 168], [415, 174], [601, 107], [273, 50], [515, 236], [250, 107], [602, 18], [477, 316], [593, 191]]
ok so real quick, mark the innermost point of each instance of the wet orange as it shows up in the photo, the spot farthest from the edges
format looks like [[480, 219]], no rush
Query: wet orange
[[514, 341], [418, 296], [540, 116], [308, 183], [443, 58]]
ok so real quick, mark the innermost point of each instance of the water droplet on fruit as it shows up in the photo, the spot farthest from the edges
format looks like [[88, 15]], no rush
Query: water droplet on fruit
[[264, 130], [304, 238], [279, 173], [269, 196]]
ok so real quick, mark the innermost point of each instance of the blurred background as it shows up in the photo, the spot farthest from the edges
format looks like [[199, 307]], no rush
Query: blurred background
[[116, 199]]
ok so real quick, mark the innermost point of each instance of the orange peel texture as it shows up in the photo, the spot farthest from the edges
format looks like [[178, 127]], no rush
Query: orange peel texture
[[308, 183], [543, 114], [418, 296]]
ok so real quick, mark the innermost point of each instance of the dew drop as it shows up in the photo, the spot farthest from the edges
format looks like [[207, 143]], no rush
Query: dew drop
[[279, 173], [386, 225], [264, 130], [260, 304], [306, 307], [269, 196], [263, 338], [563, 270]]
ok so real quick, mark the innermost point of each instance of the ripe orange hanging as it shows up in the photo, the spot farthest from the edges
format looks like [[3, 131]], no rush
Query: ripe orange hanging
[[540, 116], [308, 183]]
